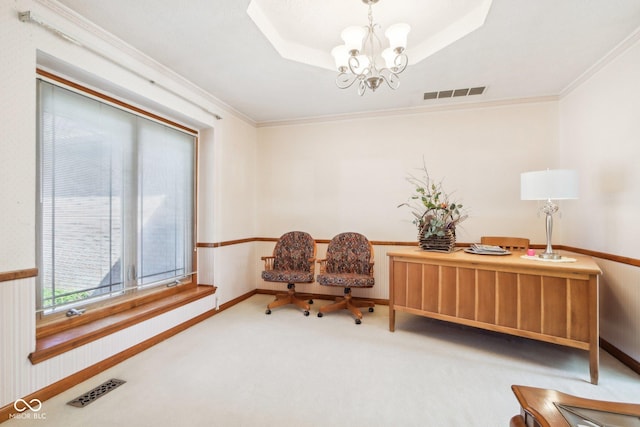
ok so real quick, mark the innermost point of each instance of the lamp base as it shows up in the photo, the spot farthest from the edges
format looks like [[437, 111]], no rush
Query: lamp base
[[550, 255]]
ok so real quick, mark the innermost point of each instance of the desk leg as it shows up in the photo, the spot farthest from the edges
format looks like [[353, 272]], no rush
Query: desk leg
[[594, 363], [594, 329], [392, 311], [392, 319]]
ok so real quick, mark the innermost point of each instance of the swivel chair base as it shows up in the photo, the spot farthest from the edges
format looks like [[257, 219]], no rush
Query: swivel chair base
[[347, 303], [289, 298]]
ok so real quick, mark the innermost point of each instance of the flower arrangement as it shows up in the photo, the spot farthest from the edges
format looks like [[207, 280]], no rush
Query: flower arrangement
[[435, 213]]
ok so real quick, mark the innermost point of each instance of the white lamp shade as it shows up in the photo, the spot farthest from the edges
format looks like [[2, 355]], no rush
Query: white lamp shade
[[341, 56], [352, 37], [550, 184], [397, 35], [389, 57]]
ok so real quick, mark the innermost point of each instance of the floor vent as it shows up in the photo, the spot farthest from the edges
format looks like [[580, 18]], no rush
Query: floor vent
[[101, 390], [453, 93]]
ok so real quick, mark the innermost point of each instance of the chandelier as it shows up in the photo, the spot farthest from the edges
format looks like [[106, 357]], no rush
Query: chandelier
[[362, 59]]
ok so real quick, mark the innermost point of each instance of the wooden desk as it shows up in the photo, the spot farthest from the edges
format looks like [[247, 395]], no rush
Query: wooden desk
[[546, 301], [542, 408]]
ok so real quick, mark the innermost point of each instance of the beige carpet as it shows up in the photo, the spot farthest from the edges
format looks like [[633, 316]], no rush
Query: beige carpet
[[244, 368]]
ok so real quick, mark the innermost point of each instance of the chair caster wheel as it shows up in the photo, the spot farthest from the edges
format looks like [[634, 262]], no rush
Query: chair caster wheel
[[319, 314], [310, 301], [358, 321], [306, 312], [267, 311], [370, 309]]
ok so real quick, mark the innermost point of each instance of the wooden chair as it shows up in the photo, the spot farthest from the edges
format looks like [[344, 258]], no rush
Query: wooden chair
[[507, 243], [349, 264], [293, 261]]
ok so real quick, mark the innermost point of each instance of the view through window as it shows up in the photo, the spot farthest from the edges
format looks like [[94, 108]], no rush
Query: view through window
[[116, 200]]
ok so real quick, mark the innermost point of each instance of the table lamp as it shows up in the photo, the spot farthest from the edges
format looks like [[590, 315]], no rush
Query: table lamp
[[550, 184]]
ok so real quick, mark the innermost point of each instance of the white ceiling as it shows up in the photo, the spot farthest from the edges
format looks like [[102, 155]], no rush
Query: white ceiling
[[526, 48], [307, 30]]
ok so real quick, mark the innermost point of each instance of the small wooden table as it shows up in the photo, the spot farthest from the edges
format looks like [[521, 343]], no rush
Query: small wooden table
[[546, 301], [550, 408]]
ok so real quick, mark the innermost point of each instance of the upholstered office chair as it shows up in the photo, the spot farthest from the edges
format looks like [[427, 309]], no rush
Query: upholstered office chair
[[349, 264], [293, 261], [507, 243]]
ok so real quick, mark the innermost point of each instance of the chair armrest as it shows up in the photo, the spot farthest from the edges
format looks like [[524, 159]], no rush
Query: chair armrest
[[371, 269], [312, 265], [268, 262], [323, 265]]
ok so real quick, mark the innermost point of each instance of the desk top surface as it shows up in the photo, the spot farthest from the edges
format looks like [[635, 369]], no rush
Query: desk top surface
[[582, 264]]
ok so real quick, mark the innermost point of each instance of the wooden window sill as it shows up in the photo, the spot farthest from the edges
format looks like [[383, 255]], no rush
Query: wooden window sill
[[59, 337]]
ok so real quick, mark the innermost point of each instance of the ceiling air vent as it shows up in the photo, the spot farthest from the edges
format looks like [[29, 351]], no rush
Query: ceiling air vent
[[454, 93]]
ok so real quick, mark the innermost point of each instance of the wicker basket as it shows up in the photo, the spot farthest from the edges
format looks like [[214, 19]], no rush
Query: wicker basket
[[444, 243]]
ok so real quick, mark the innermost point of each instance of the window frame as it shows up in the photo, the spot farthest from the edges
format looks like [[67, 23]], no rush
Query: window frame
[[143, 293]]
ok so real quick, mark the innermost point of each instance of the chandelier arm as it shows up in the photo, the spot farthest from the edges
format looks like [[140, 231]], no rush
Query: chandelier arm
[[362, 87], [390, 78], [354, 63], [400, 63], [345, 80]]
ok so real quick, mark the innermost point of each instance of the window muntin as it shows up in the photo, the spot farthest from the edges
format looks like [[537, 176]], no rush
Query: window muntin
[[116, 200]]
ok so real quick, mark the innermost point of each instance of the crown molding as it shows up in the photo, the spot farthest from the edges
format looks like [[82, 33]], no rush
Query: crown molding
[[613, 54], [410, 111]]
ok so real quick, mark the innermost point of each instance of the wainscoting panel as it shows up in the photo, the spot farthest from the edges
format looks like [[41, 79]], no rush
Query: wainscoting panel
[[17, 338], [620, 306]]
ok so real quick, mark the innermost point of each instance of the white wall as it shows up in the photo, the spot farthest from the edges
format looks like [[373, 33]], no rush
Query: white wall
[[227, 207], [17, 149], [600, 137], [228, 210], [331, 177]]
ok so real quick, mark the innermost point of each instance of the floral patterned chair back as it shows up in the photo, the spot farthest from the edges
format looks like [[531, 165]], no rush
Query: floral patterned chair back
[[295, 254], [349, 253]]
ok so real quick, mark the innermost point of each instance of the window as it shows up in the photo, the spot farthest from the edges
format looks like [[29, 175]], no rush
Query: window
[[116, 200]]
